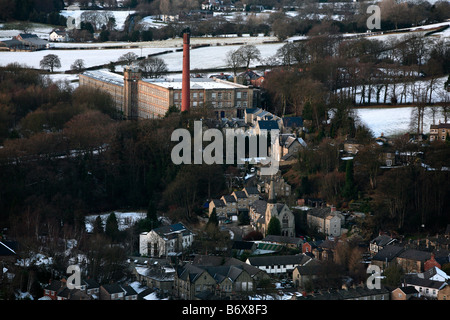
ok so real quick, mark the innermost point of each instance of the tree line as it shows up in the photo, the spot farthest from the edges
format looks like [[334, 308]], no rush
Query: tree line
[[67, 150], [41, 11]]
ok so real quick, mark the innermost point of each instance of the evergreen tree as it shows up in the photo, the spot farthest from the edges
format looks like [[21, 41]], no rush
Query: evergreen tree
[[274, 227], [152, 215], [213, 218], [98, 226], [112, 227], [244, 218], [349, 192], [393, 275]]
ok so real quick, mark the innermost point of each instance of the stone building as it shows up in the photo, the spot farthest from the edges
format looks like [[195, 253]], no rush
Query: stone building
[[139, 98], [326, 220], [439, 132], [165, 241]]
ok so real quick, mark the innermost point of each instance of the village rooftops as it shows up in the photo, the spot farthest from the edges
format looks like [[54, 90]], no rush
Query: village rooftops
[[382, 240], [388, 253], [259, 206], [112, 288], [417, 255], [427, 283]]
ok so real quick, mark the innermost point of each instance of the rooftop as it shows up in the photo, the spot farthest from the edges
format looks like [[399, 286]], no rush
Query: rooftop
[[105, 76], [196, 83]]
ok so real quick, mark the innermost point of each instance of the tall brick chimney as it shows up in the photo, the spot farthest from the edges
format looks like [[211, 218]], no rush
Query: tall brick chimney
[[185, 88]]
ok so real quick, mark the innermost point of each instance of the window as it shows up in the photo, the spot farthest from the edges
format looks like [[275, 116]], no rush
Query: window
[[238, 95], [213, 96]]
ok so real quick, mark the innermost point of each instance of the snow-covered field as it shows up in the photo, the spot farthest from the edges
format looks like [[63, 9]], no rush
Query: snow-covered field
[[392, 121], [201, 58], [404, 92], [119, 16], [124, 219], [91, 57], [213, 57]]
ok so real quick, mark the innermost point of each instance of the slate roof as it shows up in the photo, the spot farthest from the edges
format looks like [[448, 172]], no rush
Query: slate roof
[[112, 288], [388, 253], [172, 231], [282, 239], [218, 203], [346, 294], [416, 281], [129, 291], [259, 206], [408, 290], [381, 240], [12, 43], [219, 273], [240, 194], [229, 198], [189, 272], [321, 212], [418, 255], [27, 35], [268, 125], [91, 284], [251, 110], [251, 190]]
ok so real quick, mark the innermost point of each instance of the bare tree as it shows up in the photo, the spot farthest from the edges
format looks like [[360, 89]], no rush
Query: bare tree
[[98, 19], [78, 65], [248, 54], [233, 60], [419, 96], [153, 67], [128, 57], [50, 61]]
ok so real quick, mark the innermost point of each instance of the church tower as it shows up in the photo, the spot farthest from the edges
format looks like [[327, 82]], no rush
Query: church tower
[[271, 204], [280, 211]]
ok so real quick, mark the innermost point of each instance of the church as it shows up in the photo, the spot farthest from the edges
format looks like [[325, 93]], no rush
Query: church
[[280, 211]]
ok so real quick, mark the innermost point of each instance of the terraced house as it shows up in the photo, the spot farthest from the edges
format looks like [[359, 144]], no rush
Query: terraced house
[[193, 281]]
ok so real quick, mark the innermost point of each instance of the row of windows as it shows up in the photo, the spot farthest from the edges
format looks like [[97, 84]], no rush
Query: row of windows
[[150, 90], [195, 95], [213, 96]]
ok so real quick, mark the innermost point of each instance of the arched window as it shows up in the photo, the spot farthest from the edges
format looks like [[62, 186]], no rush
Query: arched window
[[285, 221]]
